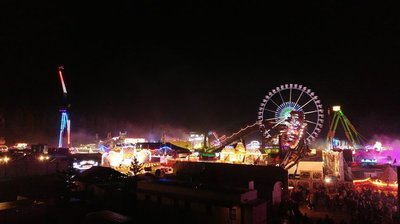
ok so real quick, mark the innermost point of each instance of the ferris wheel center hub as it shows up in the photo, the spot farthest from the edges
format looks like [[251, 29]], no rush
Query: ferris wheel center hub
[[284, 110]]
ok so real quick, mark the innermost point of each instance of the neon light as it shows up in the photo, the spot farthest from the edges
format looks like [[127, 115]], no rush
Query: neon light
[[361, 181], [353, 137], [63, 126], [69, 132], [65, 122], [62, 79], [377, 183]]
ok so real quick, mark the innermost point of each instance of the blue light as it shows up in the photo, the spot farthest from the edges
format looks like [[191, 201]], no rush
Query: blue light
[[63, 126]]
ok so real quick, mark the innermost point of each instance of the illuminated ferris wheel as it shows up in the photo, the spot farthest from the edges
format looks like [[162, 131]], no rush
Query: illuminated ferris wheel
[[278, 104]]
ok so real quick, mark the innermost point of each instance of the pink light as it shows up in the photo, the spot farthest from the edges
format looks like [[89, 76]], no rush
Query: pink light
[[69, 132], [62, 79]]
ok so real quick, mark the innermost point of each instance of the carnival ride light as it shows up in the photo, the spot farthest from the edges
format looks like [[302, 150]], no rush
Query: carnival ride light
[[328, 180], [84, 164], [376, 182], [5, 159], [353, 137], [21, 146], [65, 121], [43, 157], [336, 108]]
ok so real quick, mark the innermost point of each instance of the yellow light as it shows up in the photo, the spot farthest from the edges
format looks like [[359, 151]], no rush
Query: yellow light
[[361, 181], [21, 145], [336, 108], [6, 159], [377, 183], [41, 158]]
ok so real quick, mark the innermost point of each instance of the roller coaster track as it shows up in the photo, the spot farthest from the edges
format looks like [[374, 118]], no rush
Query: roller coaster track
[[292, 155], [236, 136], [243, 132]]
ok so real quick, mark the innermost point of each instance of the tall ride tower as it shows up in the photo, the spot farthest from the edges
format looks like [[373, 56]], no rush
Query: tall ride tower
[[65, 121]]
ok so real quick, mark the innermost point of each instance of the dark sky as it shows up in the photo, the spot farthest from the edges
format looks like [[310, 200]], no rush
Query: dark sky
[[192, 65]]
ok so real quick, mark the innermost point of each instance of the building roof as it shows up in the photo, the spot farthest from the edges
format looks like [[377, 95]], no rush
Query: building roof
[[106, 216], [159, 145], [389, 174], [204, 192]]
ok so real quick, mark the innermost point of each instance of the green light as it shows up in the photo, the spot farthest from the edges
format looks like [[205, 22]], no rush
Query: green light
[[286, 112]]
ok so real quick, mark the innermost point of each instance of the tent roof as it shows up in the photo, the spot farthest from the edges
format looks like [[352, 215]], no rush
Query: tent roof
[[389, 174]]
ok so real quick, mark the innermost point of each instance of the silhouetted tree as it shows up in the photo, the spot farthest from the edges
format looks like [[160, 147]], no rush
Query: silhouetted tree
[[136, 167]]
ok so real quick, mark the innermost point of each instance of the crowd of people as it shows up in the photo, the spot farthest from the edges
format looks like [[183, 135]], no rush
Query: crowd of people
[[353, 205]]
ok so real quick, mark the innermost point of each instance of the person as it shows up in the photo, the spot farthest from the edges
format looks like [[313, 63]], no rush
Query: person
[[311, 200]]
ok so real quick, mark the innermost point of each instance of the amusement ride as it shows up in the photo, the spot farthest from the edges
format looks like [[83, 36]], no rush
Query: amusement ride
[[354, 138], [291, 115], [65, 126]]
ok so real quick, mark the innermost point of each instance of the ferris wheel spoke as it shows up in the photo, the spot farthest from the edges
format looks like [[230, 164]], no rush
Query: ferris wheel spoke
[[272, 111], [297, 101], [281, 97], [280, 122], [306, 103], [290, 99], [274, 118], [310, 112], [311, 122], [274, 102]]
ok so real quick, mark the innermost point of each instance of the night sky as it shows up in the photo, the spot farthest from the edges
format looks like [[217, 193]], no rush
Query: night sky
[[142, 66]]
